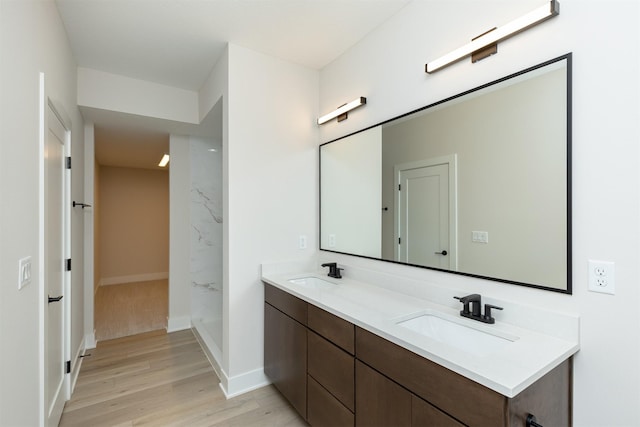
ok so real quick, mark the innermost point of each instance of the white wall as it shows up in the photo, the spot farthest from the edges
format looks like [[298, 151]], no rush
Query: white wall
[[179, 234], [32, 40], [351, 194], [388, 68], [97, 89], [271, 183]]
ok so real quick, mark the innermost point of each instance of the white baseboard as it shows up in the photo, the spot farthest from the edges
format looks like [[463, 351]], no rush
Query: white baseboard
[[77, 364], [133, 278], [90, 341], [213, 354], [243, 383], [181, 323]]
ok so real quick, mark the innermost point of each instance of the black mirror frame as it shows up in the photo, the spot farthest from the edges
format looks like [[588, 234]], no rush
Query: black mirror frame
[[569, 288]]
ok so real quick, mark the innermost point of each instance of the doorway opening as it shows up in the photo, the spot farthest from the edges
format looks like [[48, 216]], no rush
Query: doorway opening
[[426, 207], [131, 232]]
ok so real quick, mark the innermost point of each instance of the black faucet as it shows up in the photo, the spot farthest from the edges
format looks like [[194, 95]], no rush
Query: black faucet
[[334, 271], [476, 301]]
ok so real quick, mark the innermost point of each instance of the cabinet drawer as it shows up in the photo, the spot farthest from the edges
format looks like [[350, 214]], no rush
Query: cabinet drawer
[[337, 330], [425, 415], [286, 303], [466, 400], [324, 409], [332, 368]]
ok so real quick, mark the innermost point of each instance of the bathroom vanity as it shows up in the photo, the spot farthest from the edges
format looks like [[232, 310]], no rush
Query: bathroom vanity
[[340, 352]]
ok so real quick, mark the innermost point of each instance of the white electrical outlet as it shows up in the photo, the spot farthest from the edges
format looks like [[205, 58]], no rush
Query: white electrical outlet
[[332, 240], [602, 277], [302, 241]]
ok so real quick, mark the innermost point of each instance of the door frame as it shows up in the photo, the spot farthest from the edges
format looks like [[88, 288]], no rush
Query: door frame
[[46, 104], [452, 161]]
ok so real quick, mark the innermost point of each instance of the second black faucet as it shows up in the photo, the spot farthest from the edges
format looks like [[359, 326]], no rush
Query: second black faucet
[[476, 301]]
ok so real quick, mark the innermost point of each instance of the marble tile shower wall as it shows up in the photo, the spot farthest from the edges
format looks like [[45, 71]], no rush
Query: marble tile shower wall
[[206, 236]]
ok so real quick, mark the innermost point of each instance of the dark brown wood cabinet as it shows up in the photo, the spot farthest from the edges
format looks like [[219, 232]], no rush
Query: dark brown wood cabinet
[[460, 399], [337, 374]]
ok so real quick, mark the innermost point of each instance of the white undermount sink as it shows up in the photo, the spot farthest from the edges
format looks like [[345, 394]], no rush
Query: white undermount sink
[[313, 283], [458, 335]]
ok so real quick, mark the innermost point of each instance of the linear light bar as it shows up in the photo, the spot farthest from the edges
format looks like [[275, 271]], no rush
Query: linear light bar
[[164, 161], [532, 18], [342, 110]]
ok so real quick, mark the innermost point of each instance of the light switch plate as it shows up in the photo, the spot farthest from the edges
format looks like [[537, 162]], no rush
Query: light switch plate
[[24, 272], [480, 236]]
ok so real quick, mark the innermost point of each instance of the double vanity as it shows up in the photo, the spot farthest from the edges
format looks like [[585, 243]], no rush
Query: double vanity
[[449, 187], [346, 352]]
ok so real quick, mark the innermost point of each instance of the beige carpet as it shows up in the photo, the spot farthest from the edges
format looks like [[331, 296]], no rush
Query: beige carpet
[[130, 308]]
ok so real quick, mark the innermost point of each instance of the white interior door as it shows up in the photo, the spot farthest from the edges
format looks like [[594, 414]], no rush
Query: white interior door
[[55, 275], [426, 213]]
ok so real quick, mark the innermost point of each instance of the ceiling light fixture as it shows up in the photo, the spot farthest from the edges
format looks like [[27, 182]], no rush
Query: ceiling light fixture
[[492, 37], [164, 161], [341, 112]]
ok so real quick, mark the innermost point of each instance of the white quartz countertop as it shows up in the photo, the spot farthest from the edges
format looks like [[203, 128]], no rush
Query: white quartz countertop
[[508, 370]]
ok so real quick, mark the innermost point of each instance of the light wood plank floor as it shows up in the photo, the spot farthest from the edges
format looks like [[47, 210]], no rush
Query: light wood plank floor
[[131, 308], [160, 379]]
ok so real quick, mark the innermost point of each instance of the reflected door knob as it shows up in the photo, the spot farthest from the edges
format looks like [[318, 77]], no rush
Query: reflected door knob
[[54, 299], [441, 253]]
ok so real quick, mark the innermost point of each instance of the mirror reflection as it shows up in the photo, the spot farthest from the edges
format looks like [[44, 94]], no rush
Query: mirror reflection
[[476, 184]]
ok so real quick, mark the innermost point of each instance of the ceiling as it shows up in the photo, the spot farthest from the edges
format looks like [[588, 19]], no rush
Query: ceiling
[[177, 43]]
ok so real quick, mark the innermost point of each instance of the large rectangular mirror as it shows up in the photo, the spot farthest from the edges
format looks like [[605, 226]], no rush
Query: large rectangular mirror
[[477, 184]]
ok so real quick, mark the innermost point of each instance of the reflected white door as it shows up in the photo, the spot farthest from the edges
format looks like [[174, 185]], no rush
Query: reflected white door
[[55, 228], [423, 216]]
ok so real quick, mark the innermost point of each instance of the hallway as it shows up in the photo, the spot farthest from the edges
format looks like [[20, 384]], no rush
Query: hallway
[[164, 379]]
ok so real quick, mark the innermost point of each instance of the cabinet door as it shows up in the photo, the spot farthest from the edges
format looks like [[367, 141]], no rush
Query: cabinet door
[[285, 356], [424, 414], [380, 401], [324, 409]]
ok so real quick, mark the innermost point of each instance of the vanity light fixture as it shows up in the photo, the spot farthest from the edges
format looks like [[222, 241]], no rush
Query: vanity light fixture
[[164, 161], [341, 112], [492, 37]]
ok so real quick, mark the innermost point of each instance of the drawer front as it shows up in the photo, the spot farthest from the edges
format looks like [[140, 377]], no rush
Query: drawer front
[[337, 330], [324, 409], [286, 303], [466, 400], [332, 367], [380, 401], [424, 414]]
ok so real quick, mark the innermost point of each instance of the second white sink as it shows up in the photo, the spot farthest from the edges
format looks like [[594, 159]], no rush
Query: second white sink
[[313, 283], [457, 335]]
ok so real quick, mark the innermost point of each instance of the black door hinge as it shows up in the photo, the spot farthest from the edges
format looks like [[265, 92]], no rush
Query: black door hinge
[[399, 240], [68, 367], [68, 264], [68, 162], [399, 187]]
